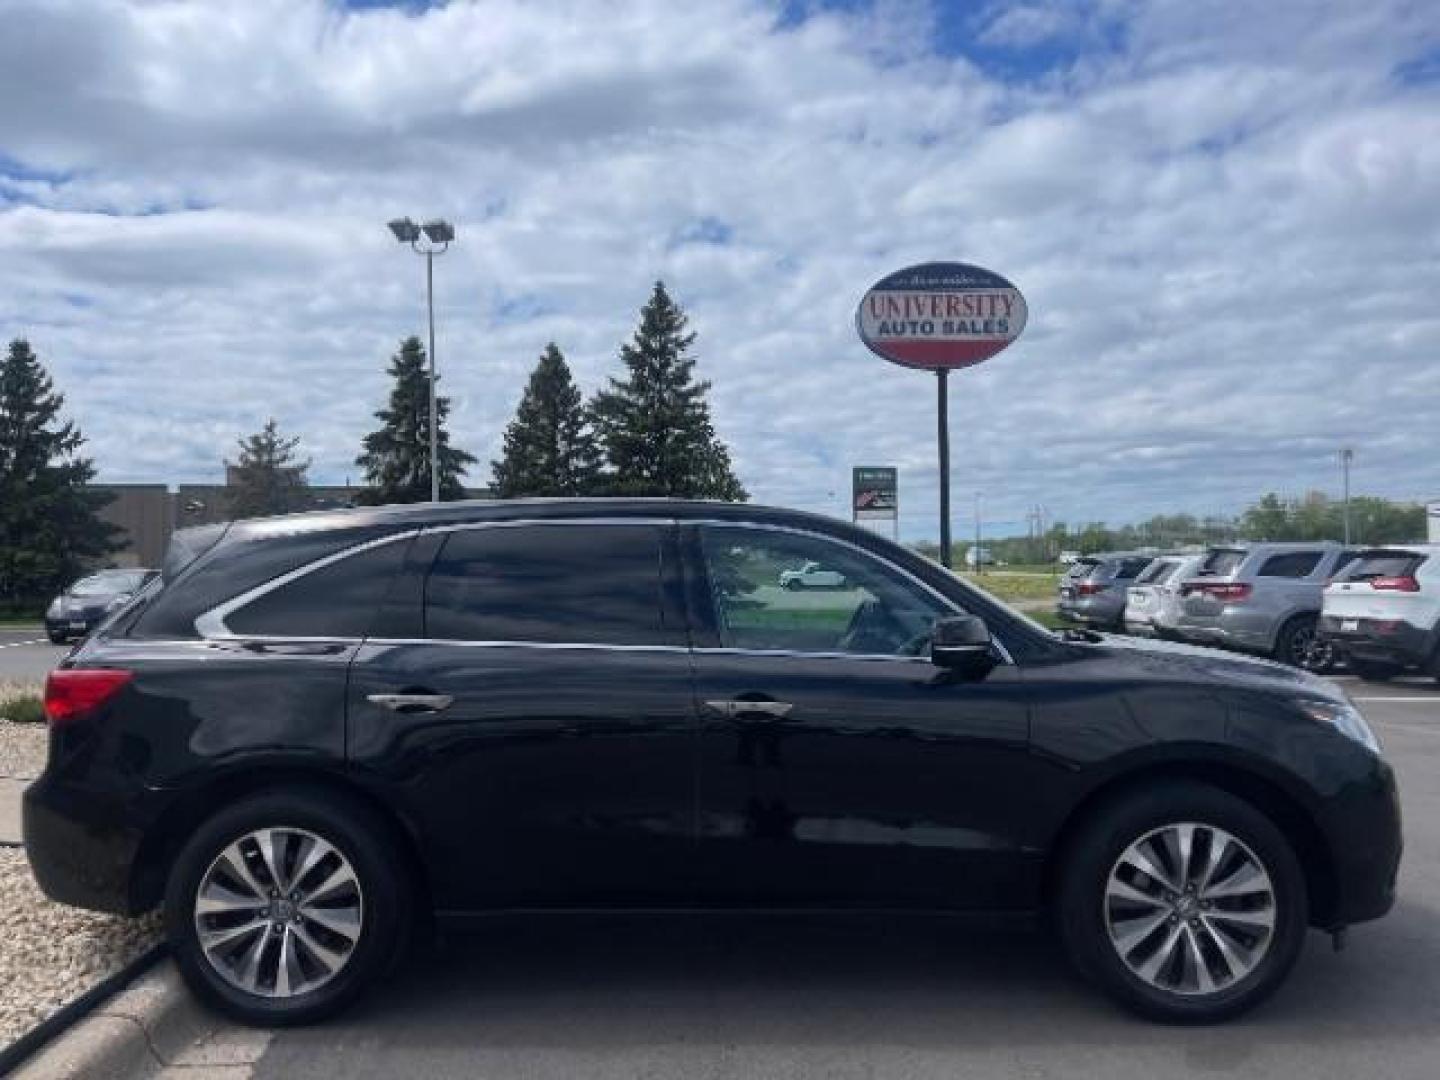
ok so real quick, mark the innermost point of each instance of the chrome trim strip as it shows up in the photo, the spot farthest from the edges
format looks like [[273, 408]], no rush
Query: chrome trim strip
[[211, 624]]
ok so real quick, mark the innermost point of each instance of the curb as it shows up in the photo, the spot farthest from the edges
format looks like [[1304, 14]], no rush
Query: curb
[[72, 1013]]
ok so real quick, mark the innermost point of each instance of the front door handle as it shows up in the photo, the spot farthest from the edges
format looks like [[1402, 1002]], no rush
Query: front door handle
[[777, 710], [411, 703]]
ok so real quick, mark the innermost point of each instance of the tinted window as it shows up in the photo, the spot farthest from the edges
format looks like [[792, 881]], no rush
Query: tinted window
[[1156, 572], [1383, 564], [1129, 568], [575, 584], [872, 610], [1081, 568], [1222, 561], [1294, 564], [338, 600]]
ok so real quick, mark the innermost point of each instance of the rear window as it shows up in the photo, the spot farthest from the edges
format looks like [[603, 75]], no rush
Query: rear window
[[1292, 564], [1129, 568], [1373, 564], [1081, 568], [1222, 562], [1157, 573]]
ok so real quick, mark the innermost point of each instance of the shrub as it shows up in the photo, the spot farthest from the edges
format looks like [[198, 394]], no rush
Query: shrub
[[23, 709]]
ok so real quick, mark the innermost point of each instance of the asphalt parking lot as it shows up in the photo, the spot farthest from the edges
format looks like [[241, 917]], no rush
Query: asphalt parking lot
[[736, 997], [27, 656]]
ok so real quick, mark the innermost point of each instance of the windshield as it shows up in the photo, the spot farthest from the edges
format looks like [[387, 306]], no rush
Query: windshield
[[108, 584]]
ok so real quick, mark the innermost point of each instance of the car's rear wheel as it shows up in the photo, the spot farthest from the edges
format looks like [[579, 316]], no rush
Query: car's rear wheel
[[1373, 670], [283, 907], [794, 584], [56, 637], [1300, 644], [1184, 903]]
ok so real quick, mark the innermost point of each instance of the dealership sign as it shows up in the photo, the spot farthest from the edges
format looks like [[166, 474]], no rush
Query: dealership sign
[[874, 496], [940, 315]]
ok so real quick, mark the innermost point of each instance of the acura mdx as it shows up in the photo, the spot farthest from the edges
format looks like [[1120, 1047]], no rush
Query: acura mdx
[[312, 730]]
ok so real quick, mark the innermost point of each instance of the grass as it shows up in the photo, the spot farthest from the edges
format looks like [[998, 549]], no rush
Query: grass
[[1010, 586], [22, 709]]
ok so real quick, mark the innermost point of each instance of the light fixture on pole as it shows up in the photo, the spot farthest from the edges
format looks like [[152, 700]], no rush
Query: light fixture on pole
[[439, 234]]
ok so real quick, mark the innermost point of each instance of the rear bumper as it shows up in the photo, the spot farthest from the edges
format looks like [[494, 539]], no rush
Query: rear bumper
[[69, 627], [1387, 641], [81, 849], [1232, 627], [1093, 610]]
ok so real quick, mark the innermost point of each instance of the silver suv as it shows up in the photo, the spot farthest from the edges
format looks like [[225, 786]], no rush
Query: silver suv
[[1263, 598], [1152, 605], [1093, 589]]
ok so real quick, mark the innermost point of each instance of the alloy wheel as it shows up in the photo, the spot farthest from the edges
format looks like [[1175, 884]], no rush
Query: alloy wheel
[[279, 912], [1309, 651], [1190, 909]]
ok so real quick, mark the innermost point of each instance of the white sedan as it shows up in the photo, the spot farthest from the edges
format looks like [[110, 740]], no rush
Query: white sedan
[[811, 576]]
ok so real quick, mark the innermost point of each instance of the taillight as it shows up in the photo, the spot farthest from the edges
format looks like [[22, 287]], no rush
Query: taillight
[[72, 692], [1088, 588], [1229, 592], [1395, 584]]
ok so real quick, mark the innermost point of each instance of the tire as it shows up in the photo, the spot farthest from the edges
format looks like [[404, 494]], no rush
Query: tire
[[1298, 645], [379, 901], [794, 584], [1374, 671], [56, 638], [1093, 923]]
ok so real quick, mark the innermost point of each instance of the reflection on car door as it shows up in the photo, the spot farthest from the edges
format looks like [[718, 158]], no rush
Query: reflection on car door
[[540, 729], [837, 765]]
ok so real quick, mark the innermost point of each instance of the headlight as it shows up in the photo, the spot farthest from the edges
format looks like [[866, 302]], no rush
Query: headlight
[[1345, 719], [55, 610]]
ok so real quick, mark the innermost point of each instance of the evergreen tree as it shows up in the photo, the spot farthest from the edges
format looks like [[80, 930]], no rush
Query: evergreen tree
[[49, 531], [549, 449], [655, 425], [267, 479], [396, 458]]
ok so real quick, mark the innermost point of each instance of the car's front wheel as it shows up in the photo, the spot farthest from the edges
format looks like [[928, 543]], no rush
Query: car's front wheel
[[794, 584], [1183, 902], [283, 907], [56, 637]]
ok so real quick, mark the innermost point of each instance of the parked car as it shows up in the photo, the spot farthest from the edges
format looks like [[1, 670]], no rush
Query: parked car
[[1068, 558], [1152, 604], [1093, 590], [1264, 598], [812, 576], [316, 726], [1382, 613], [76, 611]]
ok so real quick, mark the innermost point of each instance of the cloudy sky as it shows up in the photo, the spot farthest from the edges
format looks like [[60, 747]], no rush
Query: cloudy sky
[[1227, 226]]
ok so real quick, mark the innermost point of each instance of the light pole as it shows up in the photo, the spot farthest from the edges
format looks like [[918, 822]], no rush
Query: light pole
[[1347, 455], [439, 234]]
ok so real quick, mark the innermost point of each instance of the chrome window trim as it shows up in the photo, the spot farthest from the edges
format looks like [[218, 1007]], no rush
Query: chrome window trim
[[211, 625]]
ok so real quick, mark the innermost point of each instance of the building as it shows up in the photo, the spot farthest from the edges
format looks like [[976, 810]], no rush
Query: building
[[147, 514]]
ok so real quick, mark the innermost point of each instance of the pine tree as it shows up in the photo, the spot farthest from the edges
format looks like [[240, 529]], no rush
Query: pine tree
[[549, 448], [654, 426], [396, 458], [268, 479], [49, 531]]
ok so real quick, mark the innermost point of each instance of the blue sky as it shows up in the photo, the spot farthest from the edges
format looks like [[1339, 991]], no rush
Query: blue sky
[[1225, 227]]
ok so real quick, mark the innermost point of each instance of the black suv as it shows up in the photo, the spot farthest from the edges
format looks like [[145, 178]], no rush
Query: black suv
[[313, 729]]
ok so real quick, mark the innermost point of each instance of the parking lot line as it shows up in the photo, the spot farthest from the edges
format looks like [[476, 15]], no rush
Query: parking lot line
[[17, 644]]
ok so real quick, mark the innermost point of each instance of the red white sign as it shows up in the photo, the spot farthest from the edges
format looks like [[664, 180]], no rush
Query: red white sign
[[940, 315]]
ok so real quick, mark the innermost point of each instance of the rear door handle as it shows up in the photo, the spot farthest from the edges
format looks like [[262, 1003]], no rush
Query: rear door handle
[[776, 709], [411, 703]]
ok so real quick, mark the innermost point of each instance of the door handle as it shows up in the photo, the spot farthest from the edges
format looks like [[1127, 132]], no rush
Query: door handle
[[411, 703], [776, 710]]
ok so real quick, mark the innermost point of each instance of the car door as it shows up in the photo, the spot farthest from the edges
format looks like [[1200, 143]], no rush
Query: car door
[[538, 724], [838, 766]]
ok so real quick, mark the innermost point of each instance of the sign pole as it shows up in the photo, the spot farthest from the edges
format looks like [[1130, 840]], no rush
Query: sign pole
[[942, 432]]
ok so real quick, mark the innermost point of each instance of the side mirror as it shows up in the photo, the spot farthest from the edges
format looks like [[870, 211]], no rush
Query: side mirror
[[961, 643]]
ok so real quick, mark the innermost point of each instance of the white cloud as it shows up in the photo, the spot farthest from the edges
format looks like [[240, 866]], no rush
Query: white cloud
[[1224, 226]]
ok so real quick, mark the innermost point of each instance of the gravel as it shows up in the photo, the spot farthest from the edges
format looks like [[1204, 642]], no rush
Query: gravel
[[50, 953], [22, 746]]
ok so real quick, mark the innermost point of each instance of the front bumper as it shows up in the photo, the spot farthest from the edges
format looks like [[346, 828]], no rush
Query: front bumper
[[1387, 641], [1364, 833]]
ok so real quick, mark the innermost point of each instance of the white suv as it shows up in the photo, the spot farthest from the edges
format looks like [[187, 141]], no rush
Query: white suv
[[1382, 612], [812, 576]]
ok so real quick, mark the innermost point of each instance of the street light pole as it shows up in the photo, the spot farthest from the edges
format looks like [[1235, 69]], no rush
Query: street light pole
[[440, 234], [1347, 455]]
